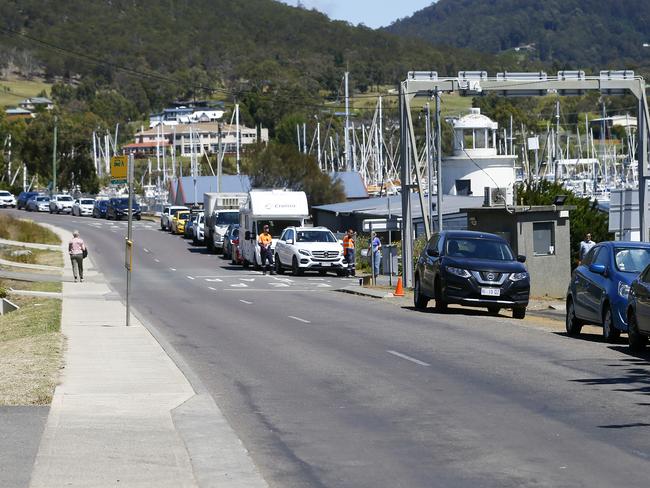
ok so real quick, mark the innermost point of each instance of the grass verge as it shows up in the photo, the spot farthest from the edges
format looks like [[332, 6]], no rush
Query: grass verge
[[37, 256], [31, 348], [51, 286], [26, 231]]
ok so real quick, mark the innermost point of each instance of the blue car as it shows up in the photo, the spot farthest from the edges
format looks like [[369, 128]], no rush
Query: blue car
[[599, 287], [99, 210]]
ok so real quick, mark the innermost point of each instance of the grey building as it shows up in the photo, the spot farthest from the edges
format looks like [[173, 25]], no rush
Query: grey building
[[541, 233]]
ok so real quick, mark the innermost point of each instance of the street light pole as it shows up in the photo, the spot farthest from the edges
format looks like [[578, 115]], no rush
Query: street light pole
[[54, 157]]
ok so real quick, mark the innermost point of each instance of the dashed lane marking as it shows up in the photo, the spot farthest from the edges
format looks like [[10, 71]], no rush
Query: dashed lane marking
[[173, 269], [239, 285], [299, 319], [190, 278], [278, 285], [212, 288], [213, 280], [146, 250], [246, 302], [408, 358], [247, 279], [157, 260]]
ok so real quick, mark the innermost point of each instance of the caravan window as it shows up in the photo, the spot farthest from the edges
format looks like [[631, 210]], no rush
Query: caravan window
[[227, 218], [277, 226]]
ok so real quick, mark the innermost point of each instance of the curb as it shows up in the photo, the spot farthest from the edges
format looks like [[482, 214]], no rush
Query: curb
[[366, 293]]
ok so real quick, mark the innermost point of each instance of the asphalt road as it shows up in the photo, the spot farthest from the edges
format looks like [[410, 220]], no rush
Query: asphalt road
[[331, 390]]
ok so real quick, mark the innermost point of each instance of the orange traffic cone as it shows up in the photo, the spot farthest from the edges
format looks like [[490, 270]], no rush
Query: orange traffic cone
[[399, 290]]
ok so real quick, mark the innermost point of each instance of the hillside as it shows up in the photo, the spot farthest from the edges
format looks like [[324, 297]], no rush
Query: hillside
[[575, 33], [197, 46]]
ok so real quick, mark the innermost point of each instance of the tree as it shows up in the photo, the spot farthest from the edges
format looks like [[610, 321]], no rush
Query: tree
[[586, 218], [283, 166]]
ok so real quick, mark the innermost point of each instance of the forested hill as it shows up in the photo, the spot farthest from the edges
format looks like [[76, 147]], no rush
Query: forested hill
[[579, 33], [212, 43]]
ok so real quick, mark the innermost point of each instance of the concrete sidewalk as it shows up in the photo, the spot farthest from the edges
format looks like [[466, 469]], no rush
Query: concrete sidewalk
[[124, 414]]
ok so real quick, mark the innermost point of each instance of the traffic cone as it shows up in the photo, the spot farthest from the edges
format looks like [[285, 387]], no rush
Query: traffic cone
[[399, 290]]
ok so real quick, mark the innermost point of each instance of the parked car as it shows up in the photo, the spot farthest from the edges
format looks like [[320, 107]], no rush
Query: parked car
[[23, 198], [7, 199], [599, 288], [232, 234], [118, 207], [198, 230], [61, 203], [188, 231], [309, 248], [638, 312], [38, 203], [178, 221], [99, 209], [168, 212], [83, 206], [474, 269]]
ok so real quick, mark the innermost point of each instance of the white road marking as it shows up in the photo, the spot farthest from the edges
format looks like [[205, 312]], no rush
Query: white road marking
[[323, 285], [408, 358], [212, 288], [156, 260], [278, 285], [284, 279], [173, 269], [246, 302], [315, 279], [299, 319], [239, 285], [247, 279], [190, 278], [145, 249], [293, 290], [213, 280]]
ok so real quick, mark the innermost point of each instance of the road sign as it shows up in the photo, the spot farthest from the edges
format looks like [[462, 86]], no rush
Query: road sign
[[119, 166], [382, 225]]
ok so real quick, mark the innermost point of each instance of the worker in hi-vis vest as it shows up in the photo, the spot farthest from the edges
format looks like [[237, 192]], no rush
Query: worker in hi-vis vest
[[348, 251], [266, 253]]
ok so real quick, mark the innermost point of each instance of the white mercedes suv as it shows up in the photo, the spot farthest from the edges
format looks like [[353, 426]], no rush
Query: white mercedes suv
[[309, 248], [61, 203], [7, 199]]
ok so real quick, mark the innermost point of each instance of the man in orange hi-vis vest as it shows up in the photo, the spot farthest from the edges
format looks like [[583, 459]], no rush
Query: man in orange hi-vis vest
[[266, 253], [348, 252]]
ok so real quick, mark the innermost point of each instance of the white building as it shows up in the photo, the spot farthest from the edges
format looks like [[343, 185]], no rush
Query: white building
[[476, 163]]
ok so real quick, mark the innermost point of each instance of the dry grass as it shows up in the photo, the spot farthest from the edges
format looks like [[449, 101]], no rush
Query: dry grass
[[31, 347], [51, 286], [12, 92], [37, 256], [26, 231]]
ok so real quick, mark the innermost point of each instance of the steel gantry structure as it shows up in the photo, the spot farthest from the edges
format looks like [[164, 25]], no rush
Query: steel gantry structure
[[427, 84]]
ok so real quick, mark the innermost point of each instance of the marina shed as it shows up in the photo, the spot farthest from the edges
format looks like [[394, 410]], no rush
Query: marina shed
[[184, 193]]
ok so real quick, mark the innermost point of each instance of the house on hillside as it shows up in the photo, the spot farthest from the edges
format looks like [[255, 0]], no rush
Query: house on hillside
[[36, 103], [18, 113]]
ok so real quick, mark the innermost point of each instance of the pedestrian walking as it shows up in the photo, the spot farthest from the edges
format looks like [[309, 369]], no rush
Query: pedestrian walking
[[375, 253], [77, 250], [585, 247], [348, 252], [266, 253]]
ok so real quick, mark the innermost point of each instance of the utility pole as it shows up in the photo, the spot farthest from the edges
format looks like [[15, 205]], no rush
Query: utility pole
[[54, 157], [427, 124], [602, 141], [438, 163], [347, 124], [238, 137]]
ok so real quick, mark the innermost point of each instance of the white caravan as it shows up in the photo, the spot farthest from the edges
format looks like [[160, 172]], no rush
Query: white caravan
[[278, 209]]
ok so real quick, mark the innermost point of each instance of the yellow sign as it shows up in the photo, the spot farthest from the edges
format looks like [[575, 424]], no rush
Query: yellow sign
[[128, 255], [119, 169]]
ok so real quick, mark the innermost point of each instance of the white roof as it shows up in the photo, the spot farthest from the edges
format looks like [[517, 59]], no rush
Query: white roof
[[475, 120], [278, 203]]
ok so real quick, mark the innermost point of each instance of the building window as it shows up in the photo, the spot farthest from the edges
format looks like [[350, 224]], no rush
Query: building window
[[543, 238]]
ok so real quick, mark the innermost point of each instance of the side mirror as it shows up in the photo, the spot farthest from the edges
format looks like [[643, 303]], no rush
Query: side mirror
[[247, 236], [433, 253], [521, 258], [597, 268], [289, 241]]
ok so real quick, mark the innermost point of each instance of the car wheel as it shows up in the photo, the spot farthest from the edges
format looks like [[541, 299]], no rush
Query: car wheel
[[51, 212], [519, 313], [494, 310], [635, 339], [322, 272], [295, 269], [440, 303], [278, 265], [572, 323], [419, 300], [610, 333]]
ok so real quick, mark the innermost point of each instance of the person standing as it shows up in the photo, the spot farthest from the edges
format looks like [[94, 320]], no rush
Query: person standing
[[76, 249], [585, 247], [348, 252], [265, 240], [375, 249]]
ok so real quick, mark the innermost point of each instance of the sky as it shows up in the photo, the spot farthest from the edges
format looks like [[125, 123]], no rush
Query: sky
[[372, 13]]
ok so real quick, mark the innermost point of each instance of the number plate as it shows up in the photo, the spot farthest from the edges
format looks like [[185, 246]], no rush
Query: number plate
[[325, 264], [491, 292]]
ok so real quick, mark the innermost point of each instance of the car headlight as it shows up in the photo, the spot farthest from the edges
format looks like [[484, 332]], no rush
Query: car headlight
[[518, 276], [304, 252], [623, 289], [460, 272]]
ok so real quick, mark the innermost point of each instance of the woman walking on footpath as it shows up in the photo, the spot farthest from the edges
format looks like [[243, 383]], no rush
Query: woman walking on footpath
[[76, 249]]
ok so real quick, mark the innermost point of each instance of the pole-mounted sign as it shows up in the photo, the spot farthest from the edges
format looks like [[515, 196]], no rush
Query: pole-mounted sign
[[119, 170]]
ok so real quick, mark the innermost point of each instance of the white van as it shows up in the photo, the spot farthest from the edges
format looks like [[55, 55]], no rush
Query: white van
[[278, 209]]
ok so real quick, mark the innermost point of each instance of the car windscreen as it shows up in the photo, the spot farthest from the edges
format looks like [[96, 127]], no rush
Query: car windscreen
[[174, 211], [5, 194], [314, 236], [461, 247], [631, 260], [64, 199], [42, 199], [182, 215], [277, 226], [227, 218], [86, 202]]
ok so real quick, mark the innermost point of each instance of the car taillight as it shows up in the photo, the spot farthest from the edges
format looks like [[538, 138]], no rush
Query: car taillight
[[235, 242]]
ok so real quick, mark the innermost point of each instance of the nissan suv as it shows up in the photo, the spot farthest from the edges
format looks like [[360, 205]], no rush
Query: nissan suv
[[309, 248], [471, 268], [119, 207]]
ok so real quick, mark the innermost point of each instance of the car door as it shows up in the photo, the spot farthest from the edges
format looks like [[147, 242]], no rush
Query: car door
[[579, 285], [289, 247], [280, 247], [596, 286], [430, 264], [642, 295]]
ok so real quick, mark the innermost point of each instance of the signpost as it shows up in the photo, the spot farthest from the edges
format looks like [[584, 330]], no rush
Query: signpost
[[125, 167], [119, 170]]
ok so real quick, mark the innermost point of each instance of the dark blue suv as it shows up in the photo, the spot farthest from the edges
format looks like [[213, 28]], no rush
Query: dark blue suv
[[599, 287], [471, 268], [21, 201], [119, 207]]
